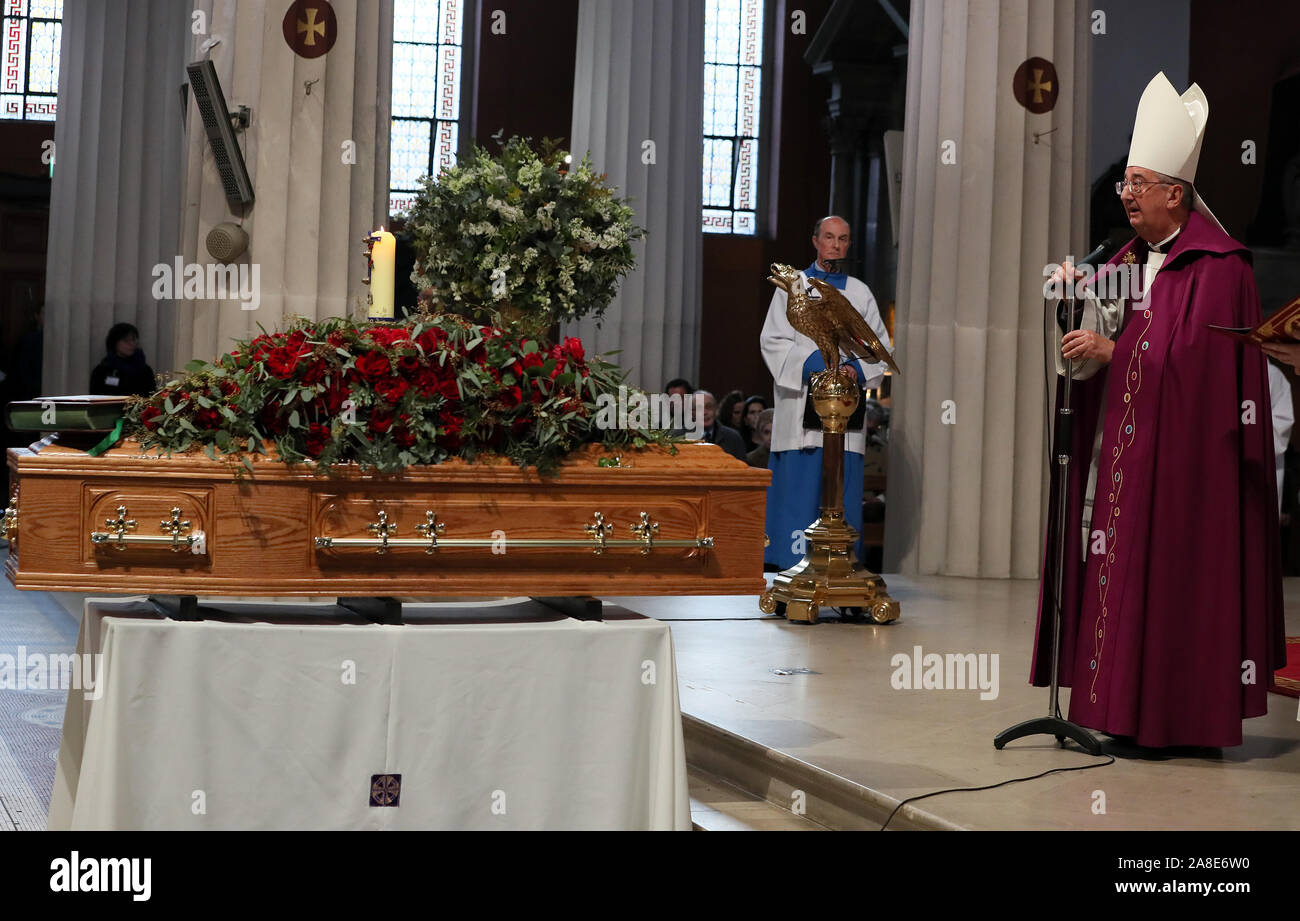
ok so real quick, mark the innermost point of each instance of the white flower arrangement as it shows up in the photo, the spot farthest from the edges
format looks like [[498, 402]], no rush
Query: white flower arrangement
[[554, 233]]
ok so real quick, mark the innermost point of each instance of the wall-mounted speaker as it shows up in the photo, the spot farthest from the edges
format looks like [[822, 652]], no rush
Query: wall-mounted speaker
[[227, 242], [221, 133]]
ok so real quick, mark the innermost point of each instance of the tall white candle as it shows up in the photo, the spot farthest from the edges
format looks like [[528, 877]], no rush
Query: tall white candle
[[383, 261]]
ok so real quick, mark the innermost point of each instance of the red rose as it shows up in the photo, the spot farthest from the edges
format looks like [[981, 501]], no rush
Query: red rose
[[512, 397], [336, 340], [313, 372], [408, 365], [295, 342], [228, 387], [282, 362], [374, 366], [449, 389], [426, 382], [207, 419], [149, 416], [532, 360], [431, 340], [573, 346], [450, 425], [271, 420], [388, 335], [335, 393], [260, 347], [402, 434], [391, 389], [556, 352], [318, 437], [381, 420]]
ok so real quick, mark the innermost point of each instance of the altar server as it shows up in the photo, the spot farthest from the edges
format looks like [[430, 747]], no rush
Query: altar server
[[794, 498]]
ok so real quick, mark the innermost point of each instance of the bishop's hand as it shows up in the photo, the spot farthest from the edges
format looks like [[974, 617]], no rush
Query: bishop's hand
[[1083, 344], [1061, 282]]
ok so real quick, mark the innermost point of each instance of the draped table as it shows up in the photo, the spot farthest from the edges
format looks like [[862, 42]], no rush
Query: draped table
[[486, 715]]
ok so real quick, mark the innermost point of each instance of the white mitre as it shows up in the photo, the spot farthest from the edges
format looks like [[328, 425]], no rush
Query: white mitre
[[1167, 134]]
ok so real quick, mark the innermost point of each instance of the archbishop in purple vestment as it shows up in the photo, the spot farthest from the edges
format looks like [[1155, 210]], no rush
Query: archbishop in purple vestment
[[1172, 631], [1172, 606]]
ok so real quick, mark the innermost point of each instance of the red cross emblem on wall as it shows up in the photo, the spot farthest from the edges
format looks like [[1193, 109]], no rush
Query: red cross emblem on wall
[[1036, 85], [310, 27]]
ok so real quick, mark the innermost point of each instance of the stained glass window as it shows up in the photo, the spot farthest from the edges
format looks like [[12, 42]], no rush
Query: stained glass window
[[427, 52], [29, 62], [733, 94]]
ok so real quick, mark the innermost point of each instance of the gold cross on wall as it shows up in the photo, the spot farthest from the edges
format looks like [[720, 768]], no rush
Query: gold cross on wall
[[311, 27], [1037, 85]]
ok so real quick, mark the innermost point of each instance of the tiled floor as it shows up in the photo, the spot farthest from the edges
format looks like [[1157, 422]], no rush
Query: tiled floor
[[845, 717], [31, 721]]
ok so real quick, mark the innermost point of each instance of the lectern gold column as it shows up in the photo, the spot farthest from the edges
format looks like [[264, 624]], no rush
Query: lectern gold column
[[830, 573]]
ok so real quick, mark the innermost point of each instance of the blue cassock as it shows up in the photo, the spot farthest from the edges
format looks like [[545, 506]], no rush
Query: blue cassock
[[795, 496]]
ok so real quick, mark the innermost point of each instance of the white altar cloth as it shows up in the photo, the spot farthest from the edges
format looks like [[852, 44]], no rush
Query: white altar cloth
[[283, 716]]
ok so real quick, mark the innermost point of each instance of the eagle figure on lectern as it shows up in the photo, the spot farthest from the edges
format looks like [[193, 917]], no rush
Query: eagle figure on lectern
[[829, 320]]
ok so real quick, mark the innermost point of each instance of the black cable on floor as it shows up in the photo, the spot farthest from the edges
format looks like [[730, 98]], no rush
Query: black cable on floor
[[993, 786]]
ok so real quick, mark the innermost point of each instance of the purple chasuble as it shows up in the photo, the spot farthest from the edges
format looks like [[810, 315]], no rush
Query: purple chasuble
[[1180, 601]]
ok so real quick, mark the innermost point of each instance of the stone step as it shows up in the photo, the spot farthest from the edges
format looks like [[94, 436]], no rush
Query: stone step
[[718, 806], [784, 782]]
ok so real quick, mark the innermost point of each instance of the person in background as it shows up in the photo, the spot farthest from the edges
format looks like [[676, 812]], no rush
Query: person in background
[[725, 437], [762, 439], [730, 409], [682, 388], [123, 372], [794, 498], [748, 427]]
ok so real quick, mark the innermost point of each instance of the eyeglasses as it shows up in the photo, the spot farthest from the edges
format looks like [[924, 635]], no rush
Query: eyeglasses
[[1137, 185]]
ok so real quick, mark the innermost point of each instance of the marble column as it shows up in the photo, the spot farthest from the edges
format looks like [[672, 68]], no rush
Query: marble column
[[640, 77], [315, 200], [116, 195], [968, 483]]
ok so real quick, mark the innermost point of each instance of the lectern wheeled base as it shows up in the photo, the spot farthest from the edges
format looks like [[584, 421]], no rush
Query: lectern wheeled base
[[829, 575]]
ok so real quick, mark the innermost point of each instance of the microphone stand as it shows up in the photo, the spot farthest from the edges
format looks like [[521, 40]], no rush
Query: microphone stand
[[1053, 724]]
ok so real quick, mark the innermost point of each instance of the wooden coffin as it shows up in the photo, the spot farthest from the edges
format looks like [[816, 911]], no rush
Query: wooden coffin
[[127, 522]]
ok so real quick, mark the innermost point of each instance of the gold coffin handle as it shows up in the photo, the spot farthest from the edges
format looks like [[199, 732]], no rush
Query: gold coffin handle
[[176, 534], [598, 541]]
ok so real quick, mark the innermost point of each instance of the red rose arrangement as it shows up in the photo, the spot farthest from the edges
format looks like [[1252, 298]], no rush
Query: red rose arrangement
[[387, 396]]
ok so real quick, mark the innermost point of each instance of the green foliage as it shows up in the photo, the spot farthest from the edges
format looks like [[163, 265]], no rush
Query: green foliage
[[523, 240]]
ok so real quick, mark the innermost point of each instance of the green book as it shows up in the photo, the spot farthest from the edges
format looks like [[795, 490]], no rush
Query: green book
[[65, 414]]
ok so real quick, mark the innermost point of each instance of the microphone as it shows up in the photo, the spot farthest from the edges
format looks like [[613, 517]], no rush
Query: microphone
[[1106, 248], [1101, 255]]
